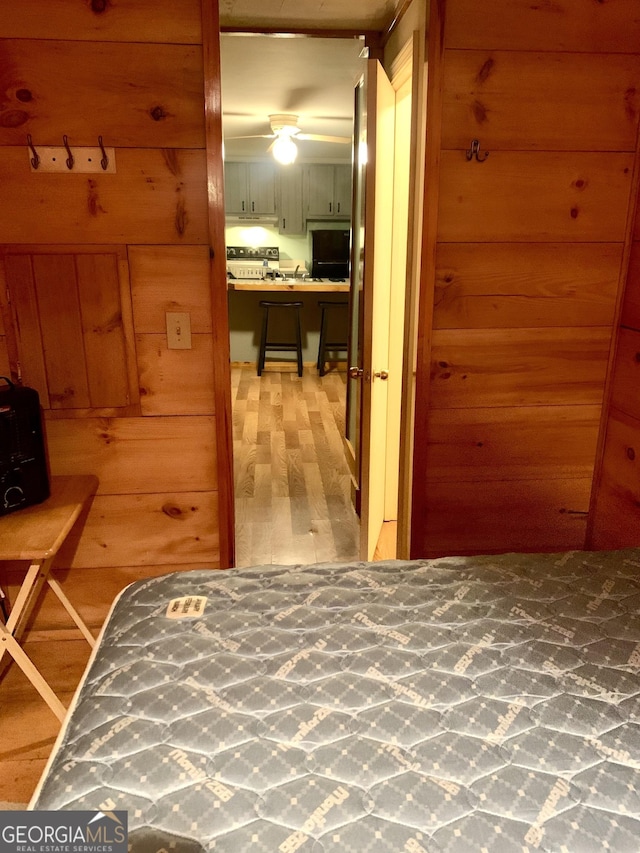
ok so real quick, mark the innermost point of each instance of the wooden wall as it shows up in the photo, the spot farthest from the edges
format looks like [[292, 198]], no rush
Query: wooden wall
[[93, 261], [615, 517], [524, 258]]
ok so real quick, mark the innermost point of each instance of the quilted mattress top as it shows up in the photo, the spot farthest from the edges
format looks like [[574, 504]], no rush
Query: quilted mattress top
[[459, 704]]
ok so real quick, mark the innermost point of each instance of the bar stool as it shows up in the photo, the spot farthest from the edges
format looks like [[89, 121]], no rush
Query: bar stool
[[325, 345], [266, 345]]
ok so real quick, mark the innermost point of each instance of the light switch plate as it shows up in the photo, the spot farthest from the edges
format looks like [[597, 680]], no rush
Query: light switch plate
[[178, 330]]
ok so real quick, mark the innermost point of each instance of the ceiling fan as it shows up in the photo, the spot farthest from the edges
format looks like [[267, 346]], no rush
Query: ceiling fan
[[285, 132]]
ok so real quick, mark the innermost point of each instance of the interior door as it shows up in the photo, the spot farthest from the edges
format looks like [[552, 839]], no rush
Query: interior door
[[371, 280]]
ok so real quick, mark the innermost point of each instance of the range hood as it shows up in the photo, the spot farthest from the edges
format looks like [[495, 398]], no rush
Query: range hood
[[251, 219]]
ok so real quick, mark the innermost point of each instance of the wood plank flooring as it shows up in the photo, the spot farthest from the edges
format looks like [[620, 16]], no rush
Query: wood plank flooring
[[292, 481]]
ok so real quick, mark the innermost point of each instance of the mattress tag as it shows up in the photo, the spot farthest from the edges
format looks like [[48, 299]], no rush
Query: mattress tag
[[187, 607]]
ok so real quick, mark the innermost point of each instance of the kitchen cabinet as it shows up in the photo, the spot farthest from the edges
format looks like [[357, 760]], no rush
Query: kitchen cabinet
[[328, 191], [290, 201], [250, 188]]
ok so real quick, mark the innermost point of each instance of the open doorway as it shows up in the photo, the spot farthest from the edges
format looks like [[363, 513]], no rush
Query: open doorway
[[292, 483]]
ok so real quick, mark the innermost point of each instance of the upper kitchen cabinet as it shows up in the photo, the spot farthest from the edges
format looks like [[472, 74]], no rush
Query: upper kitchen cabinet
[[250, 188], [328, 191], [290, 200]]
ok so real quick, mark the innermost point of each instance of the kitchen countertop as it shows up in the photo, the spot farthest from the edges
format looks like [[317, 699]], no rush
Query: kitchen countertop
[[300, 286]]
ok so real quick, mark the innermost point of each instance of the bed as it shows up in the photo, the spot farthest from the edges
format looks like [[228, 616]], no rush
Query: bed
[[456, 704]]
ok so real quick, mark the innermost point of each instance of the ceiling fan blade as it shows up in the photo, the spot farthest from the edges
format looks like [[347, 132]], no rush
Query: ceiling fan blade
[[316, 137], [253, 136]]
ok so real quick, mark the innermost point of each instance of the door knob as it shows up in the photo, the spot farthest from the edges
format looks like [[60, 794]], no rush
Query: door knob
[[381, 374], [355, 372]]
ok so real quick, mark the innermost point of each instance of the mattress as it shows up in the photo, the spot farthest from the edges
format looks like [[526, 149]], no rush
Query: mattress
[[458, 704]]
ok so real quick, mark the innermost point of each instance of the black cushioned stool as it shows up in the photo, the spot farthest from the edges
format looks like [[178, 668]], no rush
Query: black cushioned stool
[[266, 345], [329, 345]]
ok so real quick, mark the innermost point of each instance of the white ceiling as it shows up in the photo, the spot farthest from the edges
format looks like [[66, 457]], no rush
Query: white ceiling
[[308, 14], [311, 77]]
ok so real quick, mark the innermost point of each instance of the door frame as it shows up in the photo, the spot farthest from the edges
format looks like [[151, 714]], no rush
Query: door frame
[[417, 206], [218, 282]]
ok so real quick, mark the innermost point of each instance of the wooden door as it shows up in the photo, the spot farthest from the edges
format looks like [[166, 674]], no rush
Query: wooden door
[[371, 280]]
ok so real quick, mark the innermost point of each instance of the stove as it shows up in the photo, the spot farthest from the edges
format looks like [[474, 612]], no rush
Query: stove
[[252, 263]]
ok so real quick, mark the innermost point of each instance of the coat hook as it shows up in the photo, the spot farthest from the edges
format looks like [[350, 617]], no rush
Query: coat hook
[[474, 151], [105, 160], [35, 160], [70, 160]]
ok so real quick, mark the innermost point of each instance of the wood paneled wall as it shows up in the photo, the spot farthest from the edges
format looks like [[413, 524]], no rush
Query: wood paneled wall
[[524, 253], [94, 261], [615, 516]]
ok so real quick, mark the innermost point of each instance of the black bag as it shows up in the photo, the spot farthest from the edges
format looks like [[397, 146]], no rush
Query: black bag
[[24, 464]]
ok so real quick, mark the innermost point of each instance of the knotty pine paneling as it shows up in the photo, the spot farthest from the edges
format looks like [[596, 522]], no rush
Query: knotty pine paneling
[[625, 386], [571, 25], [156, 197], [631, 305], [539, 101], [507, 285], [169, 528], [4, 358], [521, 443], [170, 278], [69, 326], [175, 21], [19, 281], [499, 516], [518, 367], [4, 353], [617, 507], [60, 325], [530, 196], [136, 455], [175, 382], [134, 95]]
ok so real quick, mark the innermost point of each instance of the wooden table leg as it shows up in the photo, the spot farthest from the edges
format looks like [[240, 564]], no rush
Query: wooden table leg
[[9, 643], [68, 606], [27, 597]]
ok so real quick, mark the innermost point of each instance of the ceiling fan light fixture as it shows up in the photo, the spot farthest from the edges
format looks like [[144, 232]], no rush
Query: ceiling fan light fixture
[[285, 150]]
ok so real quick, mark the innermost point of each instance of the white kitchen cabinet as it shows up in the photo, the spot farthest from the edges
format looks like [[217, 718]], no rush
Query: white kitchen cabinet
[[328, 191], [290, 201], [250, 188]]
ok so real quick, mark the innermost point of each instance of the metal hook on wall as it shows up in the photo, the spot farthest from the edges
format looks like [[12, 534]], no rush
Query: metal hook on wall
[[35, 159], [70, 160], [474, 151], [104, 162]]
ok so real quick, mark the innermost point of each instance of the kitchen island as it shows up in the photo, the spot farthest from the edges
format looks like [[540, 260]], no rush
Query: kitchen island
[[245, 314]]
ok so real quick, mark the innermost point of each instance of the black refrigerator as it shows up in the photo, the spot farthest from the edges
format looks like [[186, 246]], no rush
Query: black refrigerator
[[330, 253]]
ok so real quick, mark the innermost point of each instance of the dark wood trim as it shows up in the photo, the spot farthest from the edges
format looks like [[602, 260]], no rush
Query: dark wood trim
[[218, 279]]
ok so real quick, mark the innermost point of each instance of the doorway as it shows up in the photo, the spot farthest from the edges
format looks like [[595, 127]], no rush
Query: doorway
[[292, 484], [263, 402]]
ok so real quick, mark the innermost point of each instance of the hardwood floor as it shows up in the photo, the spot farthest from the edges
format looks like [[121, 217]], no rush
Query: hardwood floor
[[292, 482]]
